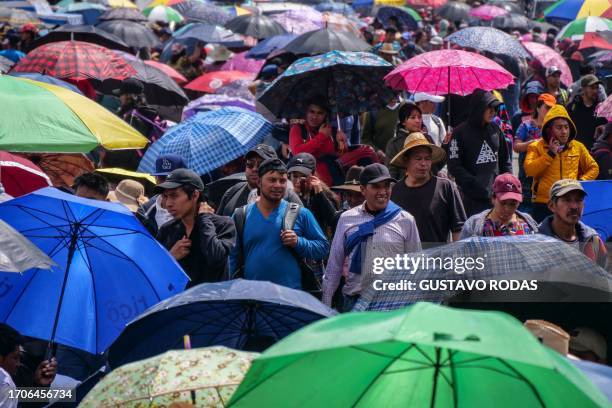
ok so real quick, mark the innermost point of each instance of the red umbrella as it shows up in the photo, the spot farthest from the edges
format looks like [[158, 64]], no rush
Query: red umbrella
[[75, 59], [20, 176], [168, 70], [598, 39], [548, 58], [212, 81]]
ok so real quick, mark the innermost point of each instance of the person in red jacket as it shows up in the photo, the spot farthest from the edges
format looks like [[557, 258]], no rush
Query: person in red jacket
[[315, 136]]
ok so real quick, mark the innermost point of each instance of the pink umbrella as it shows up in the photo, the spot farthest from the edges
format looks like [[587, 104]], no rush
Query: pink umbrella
[[168, 70], [548, 58], [449, 72], [426, 3], [239, 62], [487, 12], [604, 109]]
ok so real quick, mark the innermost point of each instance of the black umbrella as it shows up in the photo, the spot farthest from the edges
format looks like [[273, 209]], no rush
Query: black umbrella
[[159, 88], [325, 40], [5, 65], [512, 21], [123, 13], [217, 188], [133, 34], [255, 25], [86, 33], [208, 33], [454, 11], [202, 13]]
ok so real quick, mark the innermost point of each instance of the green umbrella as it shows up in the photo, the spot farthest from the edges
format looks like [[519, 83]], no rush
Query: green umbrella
[[422, 356], [207, 375]]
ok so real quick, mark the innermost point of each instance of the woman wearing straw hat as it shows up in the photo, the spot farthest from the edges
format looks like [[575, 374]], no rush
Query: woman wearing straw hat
[[434, 202]]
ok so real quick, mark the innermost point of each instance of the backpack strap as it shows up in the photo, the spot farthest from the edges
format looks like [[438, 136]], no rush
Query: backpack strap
[[239, 220]]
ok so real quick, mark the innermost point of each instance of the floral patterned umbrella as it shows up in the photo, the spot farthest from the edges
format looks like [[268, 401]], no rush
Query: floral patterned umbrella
[[605, 108], [204, 377], [240, 62], [352, 82], [548, 58], [294, 23]]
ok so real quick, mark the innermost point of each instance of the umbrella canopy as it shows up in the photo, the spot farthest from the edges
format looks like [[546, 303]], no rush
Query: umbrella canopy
[[512, 21], [454, 11], [577, 29], [62, 169], [487, 12], [133, 34], [20, 176], [123, 13], [335, 7], [237, 314], [214, 102], [422, 356], [568, 10], [89, 11], [75, 60], [510, 6], [335, 21], [548, 58], [202, 13], [168, 70], [294, 23], [114, 175], [5, 65], [326, 40], [267, 46], [600, 40], [238, 89], [240, 62], [597, 209], [599, 374], [449, 72], [13, 55], [213, 374], [208, 33], [488, 39], [84, 302], [426, 3], [209, 139], [18, 254], [40, 117], [47, 79], [164, 14], [212, 81], [17, 18], [604, 109], [406, 19], [352, 81], [255, 25], [85, 33]]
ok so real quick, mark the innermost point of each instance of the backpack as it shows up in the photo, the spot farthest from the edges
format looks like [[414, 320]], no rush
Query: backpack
[[310, 282]]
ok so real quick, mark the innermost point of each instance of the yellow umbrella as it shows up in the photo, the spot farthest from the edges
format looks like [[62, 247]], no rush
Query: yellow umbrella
[[397, 3], [116, 174], [122, 3]]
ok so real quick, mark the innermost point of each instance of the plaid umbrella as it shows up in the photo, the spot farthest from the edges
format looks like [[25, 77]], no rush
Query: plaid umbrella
[[209, 139], [133, 34], [352, 81], [528, 257], [488, 39], [75, 59]]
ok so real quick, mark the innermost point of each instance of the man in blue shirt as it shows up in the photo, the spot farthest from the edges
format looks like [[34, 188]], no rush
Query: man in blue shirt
[[265, 249]]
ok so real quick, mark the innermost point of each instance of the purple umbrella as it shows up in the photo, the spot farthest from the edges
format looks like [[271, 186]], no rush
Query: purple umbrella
[[299, 22], [216, 101], [240, 62]]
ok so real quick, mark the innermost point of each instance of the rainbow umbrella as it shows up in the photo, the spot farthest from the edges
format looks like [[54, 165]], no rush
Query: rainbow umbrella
[[164, 14], [568, 10], [40, 117], [577, 29]]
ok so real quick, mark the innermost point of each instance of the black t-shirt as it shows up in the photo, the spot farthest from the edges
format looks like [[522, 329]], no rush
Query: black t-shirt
[[436, 207]]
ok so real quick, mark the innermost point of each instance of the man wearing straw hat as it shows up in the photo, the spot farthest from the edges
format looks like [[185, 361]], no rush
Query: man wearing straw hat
[[434, 202]]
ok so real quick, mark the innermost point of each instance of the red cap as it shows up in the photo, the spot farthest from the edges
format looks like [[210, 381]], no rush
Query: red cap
[[29, 27], [507, 187]]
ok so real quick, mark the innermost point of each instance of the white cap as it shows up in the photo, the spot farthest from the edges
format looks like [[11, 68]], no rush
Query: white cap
[[422, 96], [436, 40]]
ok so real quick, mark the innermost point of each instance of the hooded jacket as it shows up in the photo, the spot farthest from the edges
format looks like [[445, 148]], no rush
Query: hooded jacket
[[573, 162], [478, 153]]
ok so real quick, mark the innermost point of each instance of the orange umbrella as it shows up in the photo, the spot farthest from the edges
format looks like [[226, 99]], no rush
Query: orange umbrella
[[212, 81], [62, 169]]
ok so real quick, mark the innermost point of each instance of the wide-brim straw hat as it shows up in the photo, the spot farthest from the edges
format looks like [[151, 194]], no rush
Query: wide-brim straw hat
[[413, 140]]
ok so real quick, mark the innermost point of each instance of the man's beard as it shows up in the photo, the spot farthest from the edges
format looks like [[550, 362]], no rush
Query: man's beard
[[269, 198]]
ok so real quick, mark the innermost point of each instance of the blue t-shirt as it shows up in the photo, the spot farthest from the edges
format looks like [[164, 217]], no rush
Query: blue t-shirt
[[266, 258], [527, 131]]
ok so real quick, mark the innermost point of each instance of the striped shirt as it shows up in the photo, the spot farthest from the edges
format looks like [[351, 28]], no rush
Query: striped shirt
[[398, 236]]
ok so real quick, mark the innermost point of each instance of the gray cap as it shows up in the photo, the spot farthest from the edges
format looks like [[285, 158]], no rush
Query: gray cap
[[562, 187], [375, 173]]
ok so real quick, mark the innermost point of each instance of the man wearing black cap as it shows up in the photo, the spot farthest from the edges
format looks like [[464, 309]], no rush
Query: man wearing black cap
[[199, 241], [246, 192], [134, 109], [376, 229], [265, 250], [315, 195]]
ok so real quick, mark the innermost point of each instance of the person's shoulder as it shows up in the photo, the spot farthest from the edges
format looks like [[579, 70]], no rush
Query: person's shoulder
[[405, 217], [168, 226]]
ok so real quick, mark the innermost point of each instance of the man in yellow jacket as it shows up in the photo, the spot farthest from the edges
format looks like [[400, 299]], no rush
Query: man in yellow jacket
[[554, 157]]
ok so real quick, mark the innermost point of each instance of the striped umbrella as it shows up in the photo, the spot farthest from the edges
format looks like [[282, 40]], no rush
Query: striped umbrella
[[164, 14], [569, 10], [577, 29]]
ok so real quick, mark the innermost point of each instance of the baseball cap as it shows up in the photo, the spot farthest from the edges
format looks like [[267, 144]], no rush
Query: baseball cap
[[269, 165], [436, 40], [304, 163], [181, 177], [552, 70], [262, 150], [374, 173], [548, 99], [422, 96], [585, 339], [130, 86], [167, 163], [507, 187], [589, 80], [564, 186]]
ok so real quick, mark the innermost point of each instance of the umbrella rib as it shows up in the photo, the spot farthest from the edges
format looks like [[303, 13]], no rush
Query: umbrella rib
[[522, 377], [265, 317], [451, 364], [407, 370], [23, 232], [373, 381], [424, 354], [28, 210], [93, 283]]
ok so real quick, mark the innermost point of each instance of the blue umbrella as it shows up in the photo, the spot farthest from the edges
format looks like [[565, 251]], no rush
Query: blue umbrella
[[351, 81], [210, 139], [237, 314], [598, 206], [47, 79], [216, 101], [13, 55], [110, 269], [334, 7], [385, 14], [489, 39], [202, 12], [599, 374], [208, 33], [267, 46]]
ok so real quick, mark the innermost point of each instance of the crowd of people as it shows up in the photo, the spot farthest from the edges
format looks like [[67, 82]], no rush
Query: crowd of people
[[319, 202]]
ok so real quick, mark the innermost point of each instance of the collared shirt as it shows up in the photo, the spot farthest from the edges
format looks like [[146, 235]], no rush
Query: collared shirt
[[6, 385], [398, 236]]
